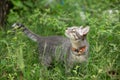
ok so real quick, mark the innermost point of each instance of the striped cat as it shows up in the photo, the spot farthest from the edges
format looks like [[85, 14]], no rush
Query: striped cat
[[70, 50]]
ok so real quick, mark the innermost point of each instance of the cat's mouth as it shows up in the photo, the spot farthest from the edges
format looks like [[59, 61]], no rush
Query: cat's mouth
[[67, 32]]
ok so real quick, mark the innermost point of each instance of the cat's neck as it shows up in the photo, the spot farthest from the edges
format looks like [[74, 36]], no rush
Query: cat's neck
[[77, 44]]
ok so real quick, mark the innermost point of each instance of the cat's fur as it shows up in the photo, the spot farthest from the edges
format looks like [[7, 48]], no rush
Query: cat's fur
[[60, 48]]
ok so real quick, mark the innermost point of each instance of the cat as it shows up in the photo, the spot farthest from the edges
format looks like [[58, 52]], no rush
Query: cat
[[71, 50]]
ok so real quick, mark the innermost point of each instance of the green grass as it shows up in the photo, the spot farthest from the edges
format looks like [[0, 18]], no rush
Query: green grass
[[19, 55]]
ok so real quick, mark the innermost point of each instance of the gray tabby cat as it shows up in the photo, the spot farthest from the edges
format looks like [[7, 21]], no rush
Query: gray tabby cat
[[70, 50]]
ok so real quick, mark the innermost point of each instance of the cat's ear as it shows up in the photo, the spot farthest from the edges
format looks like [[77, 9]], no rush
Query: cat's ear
[[85, 30]]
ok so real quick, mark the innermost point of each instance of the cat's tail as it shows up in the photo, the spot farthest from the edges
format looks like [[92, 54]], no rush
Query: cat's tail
[[27, 32]]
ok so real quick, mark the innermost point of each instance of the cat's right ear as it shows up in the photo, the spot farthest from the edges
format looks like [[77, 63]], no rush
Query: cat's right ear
[[85, 30]]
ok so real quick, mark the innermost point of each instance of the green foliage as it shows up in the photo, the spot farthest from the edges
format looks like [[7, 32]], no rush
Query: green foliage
[[19, 55]]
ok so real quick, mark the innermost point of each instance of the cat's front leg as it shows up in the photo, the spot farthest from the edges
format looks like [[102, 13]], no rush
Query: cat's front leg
[[68, 67], [46, 61]]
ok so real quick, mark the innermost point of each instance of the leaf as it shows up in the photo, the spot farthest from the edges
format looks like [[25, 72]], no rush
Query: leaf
[[18, 3]]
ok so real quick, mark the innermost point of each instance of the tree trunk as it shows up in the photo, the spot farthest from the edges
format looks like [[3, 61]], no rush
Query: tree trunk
[[4, 9]]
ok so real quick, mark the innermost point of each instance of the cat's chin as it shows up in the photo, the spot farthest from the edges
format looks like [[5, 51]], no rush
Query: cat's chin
[[67, 33]]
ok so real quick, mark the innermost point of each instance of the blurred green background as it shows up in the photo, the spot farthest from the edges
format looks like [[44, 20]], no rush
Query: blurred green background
[[19, 55]]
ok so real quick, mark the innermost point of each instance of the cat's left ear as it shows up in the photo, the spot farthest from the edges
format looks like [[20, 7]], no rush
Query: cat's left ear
[[85, 30]]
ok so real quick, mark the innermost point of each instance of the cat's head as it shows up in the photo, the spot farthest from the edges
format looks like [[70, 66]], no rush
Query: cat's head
[[77, 33]]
